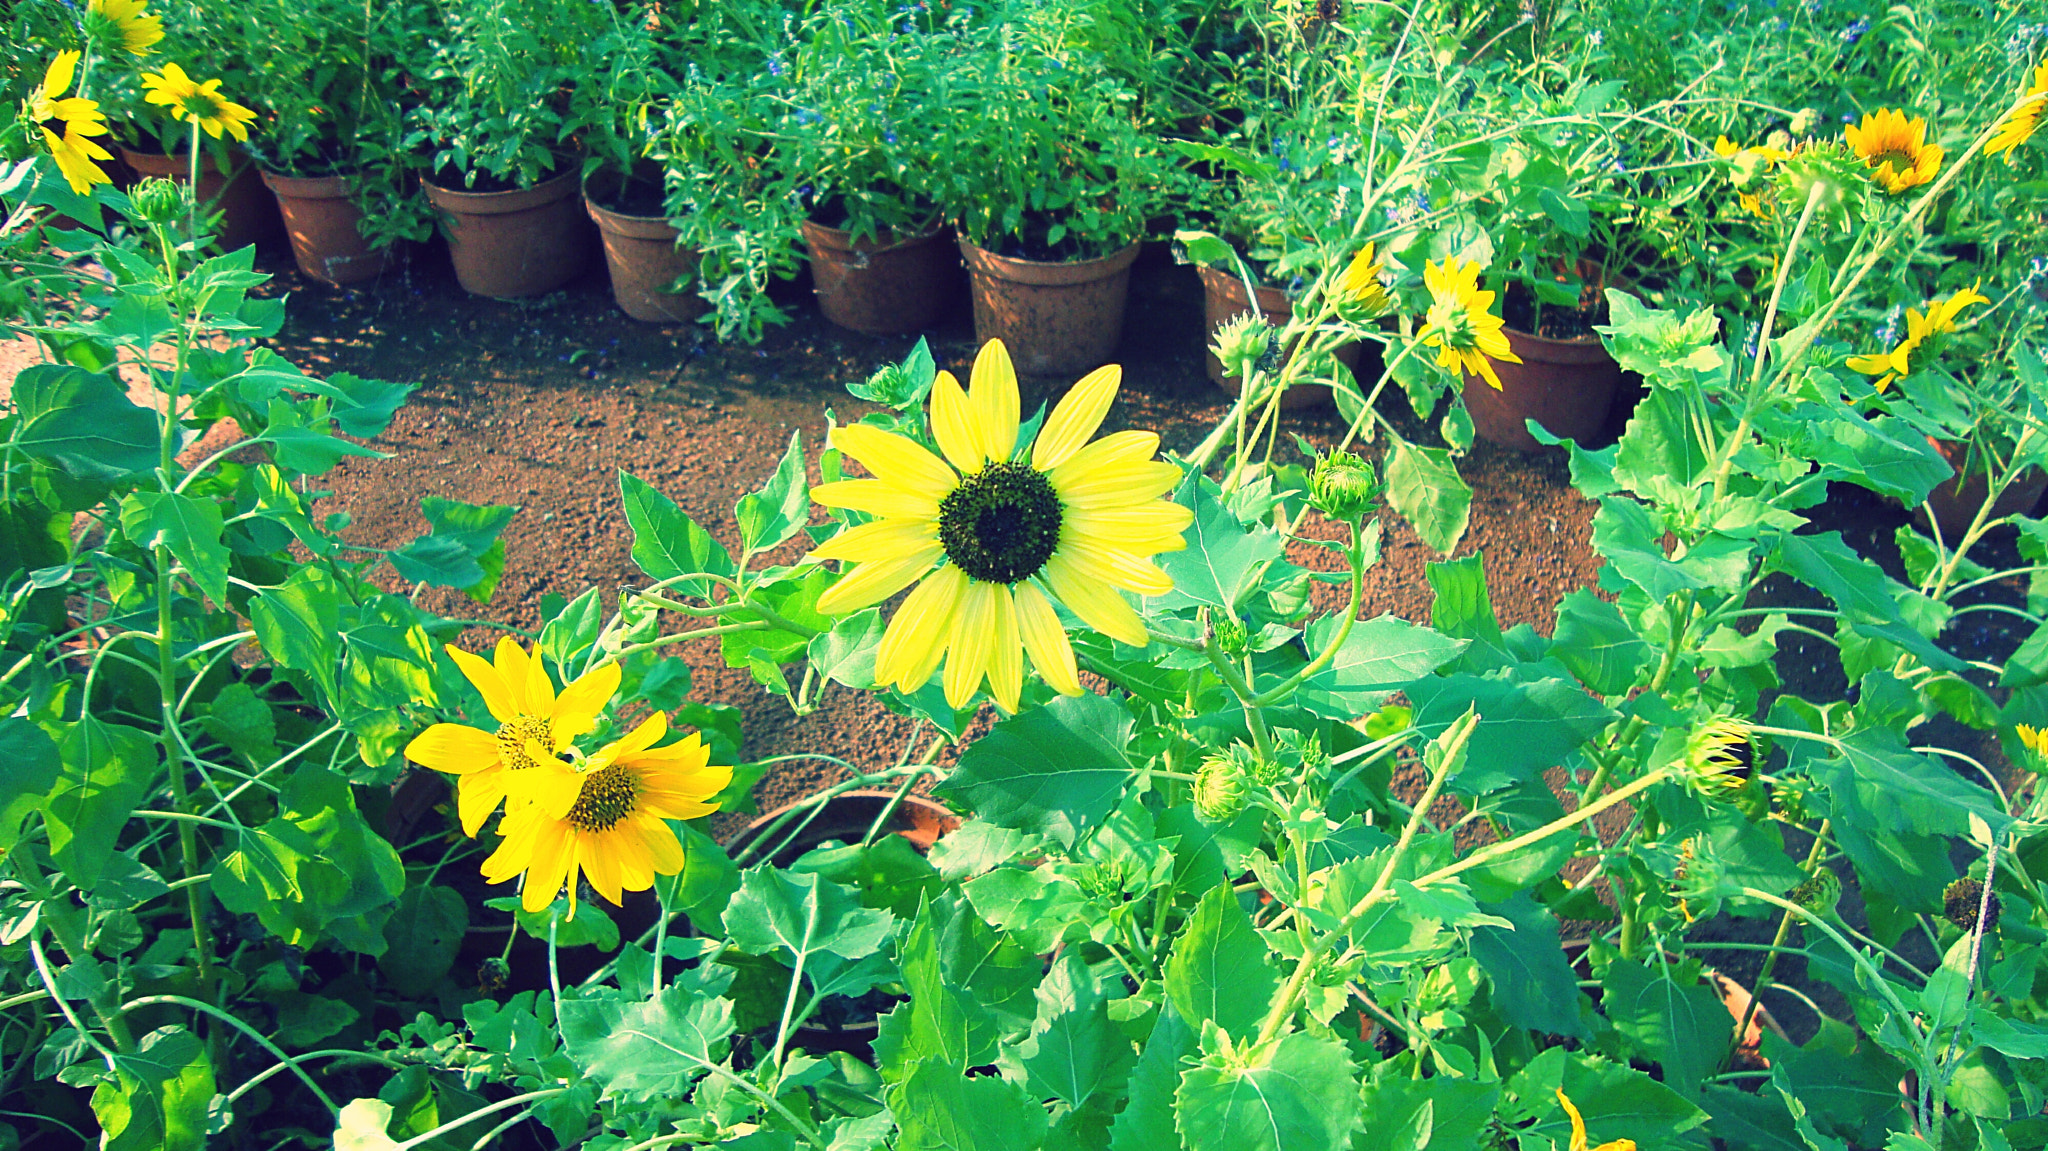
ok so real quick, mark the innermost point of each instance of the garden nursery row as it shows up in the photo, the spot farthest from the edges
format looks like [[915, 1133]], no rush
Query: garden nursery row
[[1180, 848]]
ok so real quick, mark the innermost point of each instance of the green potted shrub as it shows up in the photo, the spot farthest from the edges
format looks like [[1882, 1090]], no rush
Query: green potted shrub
[[492, 127]]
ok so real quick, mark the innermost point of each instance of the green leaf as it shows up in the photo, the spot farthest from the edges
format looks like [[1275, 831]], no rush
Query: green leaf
[[314, 871], [1146, 1122], [1461, 608], [1222, 560], [158, 1095], [241, 720], [298, 624], [1459, 1110], [1424, 486], [301, 443], [1681, 1027], [1533, 984], [793, 915], [1055, 770], [1597, 644], [782, 506], [107, 770], [1567, 212], [33, 768], [364, 1125], [83, 422], [1073, 1053], [452, 553], [1296, 1093], [938, 1108], [1828, 565], [706, 883], [1618, 1102], [1747, 1122], [362, 408], [1627, 535], [1524, 728], [846, 654], [943, 1022], [422, 937], [571, 632], [189, 527], [1220, 970], [667, 543], [1380, 657], [647, 1049], [1849, 1094]]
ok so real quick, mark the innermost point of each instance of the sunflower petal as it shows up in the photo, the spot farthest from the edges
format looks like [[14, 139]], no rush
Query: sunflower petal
[[1039, 627], [1077, 416], [871, 583], [1128, 447], [879, 540], [876, 498], [1145, 528], [510, 660], [1114, 566], [896, 460], [992, 392], [476, 797], [577, 708], [1006, 656], [917, 636], [454, 748], [967, 654], [1120, 486], [498, 695], [599, 865], [953, 424], [1098, 605]]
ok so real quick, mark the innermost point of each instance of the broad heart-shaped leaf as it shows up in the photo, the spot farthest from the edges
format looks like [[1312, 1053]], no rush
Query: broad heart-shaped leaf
[[189, 527], [362, 408], [1533, 984], [83, 422], [315, 870], [300, 440], [1380, 657], [1750, 1122], [1524, 728], [298, 624], [1916, 792], [33, 767], [794, 915], [646, 1049], [107, 769], [1424, 486], [451, 555], [943, 1022], [938, 1108], [1074, 1054], [667, 543], [421, 938], [1597, 644], [1849, 1094], [1297, 1093], [1681, 1027], [1885, 455], [781, 507], [1462, 609], [1056, 770], [1223, 558], [1626, 534], [1823, 562], [1459, 1109], [157, 1096], [1220, 971]]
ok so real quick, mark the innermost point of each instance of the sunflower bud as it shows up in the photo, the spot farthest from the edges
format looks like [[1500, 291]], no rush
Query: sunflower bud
[[1789, 794], [1264, 770], [1963, 899], [1717, 757], [158, 201], [1343, 487], [1232, 640], [1221, 789], [1241, 343], [1819, 893], [1358, 294], [1829, 172]]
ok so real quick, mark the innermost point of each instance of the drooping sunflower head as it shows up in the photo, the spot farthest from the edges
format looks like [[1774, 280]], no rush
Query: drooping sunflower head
[[2018, 127], [66, 125], [1942, 314], [1461, 324], [122, 25], [1895, 148], [197, 103], [1719, 755], [1359, 293], [992, 532]]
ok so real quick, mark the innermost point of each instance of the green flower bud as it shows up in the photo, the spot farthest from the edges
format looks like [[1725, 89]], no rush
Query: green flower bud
[[1231, 638], [1789, 793], [1221, 789], [1819, 894], [1343, 487], [158, 201], [1241, 343], [1717, 757], [1265, 770], [1963, 899], [1829, 171]]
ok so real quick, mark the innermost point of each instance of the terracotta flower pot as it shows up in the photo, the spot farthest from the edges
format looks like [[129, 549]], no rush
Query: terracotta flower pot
[[884, 286], [248, 213], [1057, 319], [1224, 300], [518, 243], [322, 222], [1564, 385], [640, 253], [1956, 499]]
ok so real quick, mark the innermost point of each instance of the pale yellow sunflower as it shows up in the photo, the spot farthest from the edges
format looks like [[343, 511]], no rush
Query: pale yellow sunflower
[[1895, 148], [994, 537], [2033, 739], [605, 818], [1461, 324], [1751, 165], [1941, 314], [1359, 289], [197, 103], [123, 24], [535, 725], [1579, 1130], [68, 125], [2018, 128]]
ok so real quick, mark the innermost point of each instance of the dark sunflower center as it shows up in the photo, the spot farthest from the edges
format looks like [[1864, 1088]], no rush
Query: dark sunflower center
[[607, 797], [1900, 161], [1002, 523], [512, 739]]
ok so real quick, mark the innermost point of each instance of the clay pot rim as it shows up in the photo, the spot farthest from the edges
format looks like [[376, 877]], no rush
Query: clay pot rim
[[238, 160], [547, 191], [1046, 273], [841, 240], [331, 187], [1544, 350], [631, 227], [940, 814]]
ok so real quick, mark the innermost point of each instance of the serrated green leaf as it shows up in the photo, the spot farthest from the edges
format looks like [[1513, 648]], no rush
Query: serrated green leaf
[[189, 527], [1424, 486], [1220, 970], [1294, 1094], [782, 505], [1055, 770], [667, 543]]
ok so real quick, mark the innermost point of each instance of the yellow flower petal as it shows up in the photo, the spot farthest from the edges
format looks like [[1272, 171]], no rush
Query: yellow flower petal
[[577, 708], [57, 77], [876, 498], [454, 748], [1098, 605], [872, 582], [1110, 451], [916, 639], [484, 677], [1077, 416], [953, 425], [1046, 641], [895, 460], [1121, 486], [974, 626], [1006, 657], [992, 391], [880, 540], [1114, 566], [478, 795]]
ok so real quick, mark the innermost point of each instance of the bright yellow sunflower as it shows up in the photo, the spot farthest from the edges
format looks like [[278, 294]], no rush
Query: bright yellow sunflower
[[535, 725], [1359, 289], [1941, 314], [2033, 739], [604, 819], [1889, 366], [1461, 324], [2018, 128], [1895, 148], [123, 24], [68, 125], [200, 104], [1073, 520], [1579, 1130]]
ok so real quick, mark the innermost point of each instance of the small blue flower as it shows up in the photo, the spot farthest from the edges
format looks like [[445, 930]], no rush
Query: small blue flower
[[888, 137], [1854, 32]]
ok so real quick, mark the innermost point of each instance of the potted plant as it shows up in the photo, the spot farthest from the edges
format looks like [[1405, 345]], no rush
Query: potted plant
[[493, 127], [629, 72], [882, 261], [1050, 184], [330, 90]]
